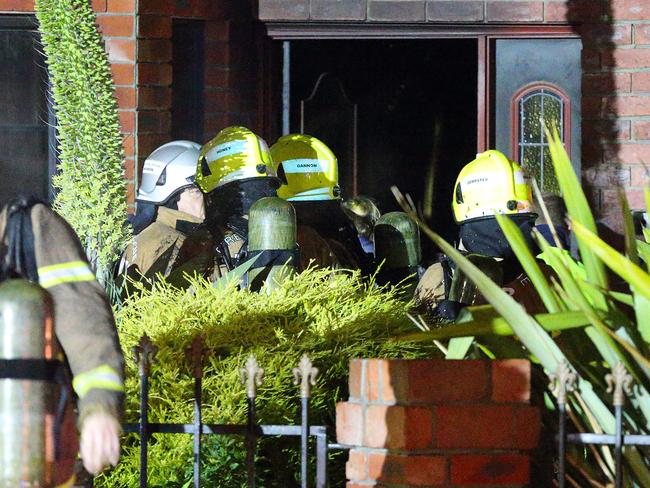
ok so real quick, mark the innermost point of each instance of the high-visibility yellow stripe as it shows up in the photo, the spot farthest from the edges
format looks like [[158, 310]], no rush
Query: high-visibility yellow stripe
[[70, 272], [68, 484], [103, 377], [68, 264], [67, 279]]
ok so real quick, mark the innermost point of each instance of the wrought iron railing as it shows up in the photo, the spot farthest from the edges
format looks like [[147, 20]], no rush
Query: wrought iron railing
[[252, 377], [619, 381]]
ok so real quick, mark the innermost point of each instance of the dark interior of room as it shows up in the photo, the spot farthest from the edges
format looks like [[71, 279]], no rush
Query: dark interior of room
[[26, 161], [416, 111]]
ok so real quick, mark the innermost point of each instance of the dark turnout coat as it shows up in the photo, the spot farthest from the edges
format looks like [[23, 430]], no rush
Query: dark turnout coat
[[83, 320]]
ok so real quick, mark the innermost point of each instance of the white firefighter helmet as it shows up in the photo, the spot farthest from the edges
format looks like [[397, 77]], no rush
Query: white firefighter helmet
[[170, 168]]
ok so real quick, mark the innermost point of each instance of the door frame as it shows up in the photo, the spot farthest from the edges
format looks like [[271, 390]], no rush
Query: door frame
[[486, 35]]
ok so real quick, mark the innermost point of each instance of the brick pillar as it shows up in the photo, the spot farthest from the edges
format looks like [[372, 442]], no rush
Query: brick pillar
[[414, 423], [116, 21]]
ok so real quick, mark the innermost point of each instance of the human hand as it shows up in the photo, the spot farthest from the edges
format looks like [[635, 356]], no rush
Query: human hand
[[100, 441]]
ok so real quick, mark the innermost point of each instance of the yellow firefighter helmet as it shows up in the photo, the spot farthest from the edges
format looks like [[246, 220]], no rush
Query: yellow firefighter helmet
[[236, 153], [490, 184], [307, 167]]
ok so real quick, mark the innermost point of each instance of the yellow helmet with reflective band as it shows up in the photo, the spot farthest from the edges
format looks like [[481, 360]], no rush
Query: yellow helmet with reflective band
[[307, 167], [490, 184], [236, 153]]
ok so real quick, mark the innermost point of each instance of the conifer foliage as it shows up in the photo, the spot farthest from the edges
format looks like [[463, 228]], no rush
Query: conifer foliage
[[90, 178], [334, 317]]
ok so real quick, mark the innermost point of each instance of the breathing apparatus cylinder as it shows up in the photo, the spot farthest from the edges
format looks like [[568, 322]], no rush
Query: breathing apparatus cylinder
[[397, 249], [272, 237], [26, 352]]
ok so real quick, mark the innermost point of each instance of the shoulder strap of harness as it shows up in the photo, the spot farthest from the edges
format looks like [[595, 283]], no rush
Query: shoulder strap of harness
[[447, 272], [18, 253]]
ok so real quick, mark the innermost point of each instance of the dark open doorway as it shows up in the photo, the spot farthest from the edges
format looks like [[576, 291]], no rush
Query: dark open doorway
[[416, 112]]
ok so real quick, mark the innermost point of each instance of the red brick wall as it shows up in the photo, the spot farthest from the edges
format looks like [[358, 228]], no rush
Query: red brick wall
[[116, 20], [230, 65], [616, 103], [438, 423]]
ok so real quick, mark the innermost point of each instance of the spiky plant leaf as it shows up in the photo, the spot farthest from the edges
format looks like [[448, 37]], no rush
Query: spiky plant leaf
[[631, 250], [493, 325], [90, 182], [618, 263], [529, 263], [577, 206]]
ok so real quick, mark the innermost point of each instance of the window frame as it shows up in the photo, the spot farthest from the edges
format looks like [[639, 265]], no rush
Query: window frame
[[27, 22]]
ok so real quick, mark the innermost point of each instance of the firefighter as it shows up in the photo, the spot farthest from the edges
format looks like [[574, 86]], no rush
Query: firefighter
[[309, 173], [364, 214], [234, 171], [175, 242], [489, 184], [148, 198], [40, 246]]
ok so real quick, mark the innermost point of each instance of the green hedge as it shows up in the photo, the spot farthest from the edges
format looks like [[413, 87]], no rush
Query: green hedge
[[333, 317]]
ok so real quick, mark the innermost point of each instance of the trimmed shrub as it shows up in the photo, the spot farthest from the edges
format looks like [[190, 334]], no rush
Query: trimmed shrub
[[333, 317]]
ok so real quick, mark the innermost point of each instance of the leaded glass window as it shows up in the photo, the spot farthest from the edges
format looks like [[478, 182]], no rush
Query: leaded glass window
[[539, 108]]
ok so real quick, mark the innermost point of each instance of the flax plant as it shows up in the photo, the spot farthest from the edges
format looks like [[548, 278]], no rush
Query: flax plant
[[586, 323]]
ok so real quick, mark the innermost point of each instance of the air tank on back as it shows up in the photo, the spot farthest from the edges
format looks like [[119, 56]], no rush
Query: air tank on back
[[397, 250], [272, 235], [26, 426]]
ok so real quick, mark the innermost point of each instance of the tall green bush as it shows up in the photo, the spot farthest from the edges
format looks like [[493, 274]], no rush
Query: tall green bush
[[90, 180], [332, 317]]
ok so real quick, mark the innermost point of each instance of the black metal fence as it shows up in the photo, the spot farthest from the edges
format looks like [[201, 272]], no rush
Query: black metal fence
[[252, 377], [563, 381], [619, 382]]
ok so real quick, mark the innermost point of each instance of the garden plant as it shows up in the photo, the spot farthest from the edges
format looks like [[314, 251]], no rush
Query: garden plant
[[332, 316], [597, 315], [89, 184]]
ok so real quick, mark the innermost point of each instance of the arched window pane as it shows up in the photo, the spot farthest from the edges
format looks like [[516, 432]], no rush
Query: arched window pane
[[530, 161], [549, 180], [530, 114], [539, 108], [552, 111]]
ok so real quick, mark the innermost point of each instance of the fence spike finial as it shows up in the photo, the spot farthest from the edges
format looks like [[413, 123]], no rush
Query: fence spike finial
[[305, 374], [619, 381], [562, 381], [196, 353], [252, 376], [145, 354]]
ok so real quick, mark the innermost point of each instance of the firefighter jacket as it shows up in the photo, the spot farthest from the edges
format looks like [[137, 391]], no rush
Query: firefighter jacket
[[320, 252], [83, 325], [430, 290], [157, 249], [177, 246], [439, 284], [83, 320]]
